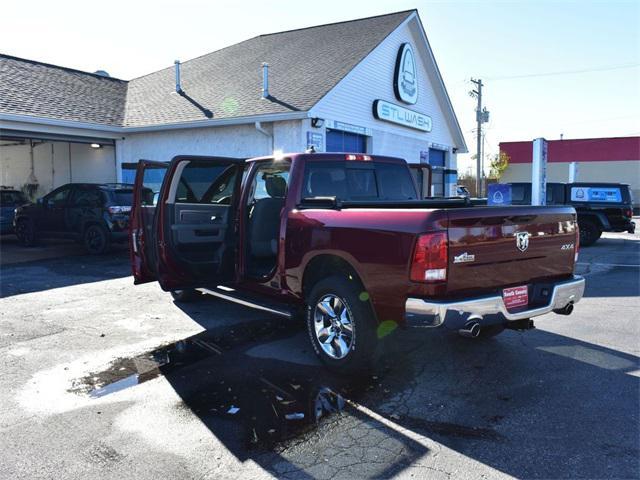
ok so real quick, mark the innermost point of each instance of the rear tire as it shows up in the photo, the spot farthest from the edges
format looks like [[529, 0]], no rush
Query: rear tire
[[185, 296], [96, 239], [341, 325], [26, 232], [589, 233]]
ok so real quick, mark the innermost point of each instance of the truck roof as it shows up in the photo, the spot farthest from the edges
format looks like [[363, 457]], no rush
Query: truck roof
[[333, 156]]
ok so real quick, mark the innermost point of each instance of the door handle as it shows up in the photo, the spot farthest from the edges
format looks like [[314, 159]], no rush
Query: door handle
[[134, 238]]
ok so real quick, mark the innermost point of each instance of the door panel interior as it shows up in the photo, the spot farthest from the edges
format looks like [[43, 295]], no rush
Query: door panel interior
[[197, 240], [198, 228]]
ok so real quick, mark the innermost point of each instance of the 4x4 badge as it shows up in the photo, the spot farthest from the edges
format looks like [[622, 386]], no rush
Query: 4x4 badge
[[522, 240]]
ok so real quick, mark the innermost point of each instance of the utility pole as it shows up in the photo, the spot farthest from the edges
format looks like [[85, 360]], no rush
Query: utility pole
[[482, 116]]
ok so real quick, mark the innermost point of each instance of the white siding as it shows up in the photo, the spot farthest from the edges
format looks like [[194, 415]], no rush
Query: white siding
[[241, 141], [352, 99]]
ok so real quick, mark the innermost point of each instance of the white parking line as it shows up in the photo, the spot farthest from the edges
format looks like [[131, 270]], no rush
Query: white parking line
[[630, 265]]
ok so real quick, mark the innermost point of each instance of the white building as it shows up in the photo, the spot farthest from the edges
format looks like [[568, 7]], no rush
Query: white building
[[370, 85]]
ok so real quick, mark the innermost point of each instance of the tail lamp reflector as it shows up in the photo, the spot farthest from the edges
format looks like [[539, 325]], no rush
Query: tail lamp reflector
[[430, 258]]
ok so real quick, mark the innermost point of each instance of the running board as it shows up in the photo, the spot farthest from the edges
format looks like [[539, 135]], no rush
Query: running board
[[233, 296]]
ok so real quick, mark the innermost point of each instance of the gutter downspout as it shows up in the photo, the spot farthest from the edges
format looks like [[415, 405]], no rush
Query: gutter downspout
[[264, 131]]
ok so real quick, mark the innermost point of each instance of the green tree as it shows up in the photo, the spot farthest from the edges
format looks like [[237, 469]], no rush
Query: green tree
[[498, 165]]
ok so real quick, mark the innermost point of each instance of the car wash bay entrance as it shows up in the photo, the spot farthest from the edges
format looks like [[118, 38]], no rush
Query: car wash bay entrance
[[340, 141], [37, 163]]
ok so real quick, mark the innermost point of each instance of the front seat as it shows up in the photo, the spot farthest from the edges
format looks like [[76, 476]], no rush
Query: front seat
[[265, 219]]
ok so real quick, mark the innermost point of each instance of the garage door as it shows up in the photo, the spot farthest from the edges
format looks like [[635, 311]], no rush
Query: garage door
[[339, 141]]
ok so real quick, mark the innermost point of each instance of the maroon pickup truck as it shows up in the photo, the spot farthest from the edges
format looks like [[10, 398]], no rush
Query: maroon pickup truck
[[345, 240]]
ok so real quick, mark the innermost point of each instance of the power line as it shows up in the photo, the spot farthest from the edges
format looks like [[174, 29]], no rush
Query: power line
[[568, 72]]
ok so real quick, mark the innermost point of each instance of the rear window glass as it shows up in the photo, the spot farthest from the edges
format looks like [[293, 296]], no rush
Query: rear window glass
[[12, 198], [122, 197], [358, 181]]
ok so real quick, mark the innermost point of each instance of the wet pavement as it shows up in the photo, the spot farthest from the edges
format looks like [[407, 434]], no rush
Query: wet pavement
[[108, 380]]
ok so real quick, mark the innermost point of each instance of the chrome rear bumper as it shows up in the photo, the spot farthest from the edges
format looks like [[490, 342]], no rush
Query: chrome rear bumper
[[426, 313]]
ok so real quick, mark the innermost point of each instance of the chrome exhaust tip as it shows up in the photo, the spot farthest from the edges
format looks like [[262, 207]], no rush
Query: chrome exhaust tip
[[566, 310], [471, 329]]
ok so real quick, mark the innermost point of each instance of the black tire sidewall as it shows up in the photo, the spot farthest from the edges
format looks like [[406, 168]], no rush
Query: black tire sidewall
[[589, 233], [28, 236], [364, 324], [105, 239]]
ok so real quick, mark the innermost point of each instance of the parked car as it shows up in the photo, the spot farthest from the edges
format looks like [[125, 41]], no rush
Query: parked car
[[10, 199], [462, 191], [601, 207], [94, 214], [344, 240]]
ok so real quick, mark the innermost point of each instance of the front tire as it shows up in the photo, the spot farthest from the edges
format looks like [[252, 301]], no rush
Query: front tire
[[341, 324], [96, 240], [26, 232]]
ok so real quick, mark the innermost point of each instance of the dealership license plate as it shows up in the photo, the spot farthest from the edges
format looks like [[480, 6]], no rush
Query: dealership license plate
[[515, 297]]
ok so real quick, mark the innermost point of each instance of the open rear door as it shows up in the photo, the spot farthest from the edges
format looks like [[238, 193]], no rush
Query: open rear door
[[196, 222], [149, 178]]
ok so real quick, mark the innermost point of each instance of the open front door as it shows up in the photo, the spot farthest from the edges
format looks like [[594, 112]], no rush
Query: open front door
[[149, 178], [422, 176], [195, 222]]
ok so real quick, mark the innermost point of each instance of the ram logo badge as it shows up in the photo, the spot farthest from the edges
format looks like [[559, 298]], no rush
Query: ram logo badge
[[522, 240], [463, 258]]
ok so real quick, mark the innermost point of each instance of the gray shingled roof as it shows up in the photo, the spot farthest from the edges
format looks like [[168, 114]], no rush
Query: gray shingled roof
[[303, 66], [43, 90]]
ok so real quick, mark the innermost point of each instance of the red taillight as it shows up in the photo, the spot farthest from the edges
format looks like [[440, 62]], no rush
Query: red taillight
[[430, 258], [628, 213], [357, 157]]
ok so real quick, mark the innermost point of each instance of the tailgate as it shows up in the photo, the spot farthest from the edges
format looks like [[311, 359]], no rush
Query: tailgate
[[495, 247]]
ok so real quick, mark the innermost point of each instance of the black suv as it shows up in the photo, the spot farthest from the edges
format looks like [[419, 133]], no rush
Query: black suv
[[94, 214], [601, 207]]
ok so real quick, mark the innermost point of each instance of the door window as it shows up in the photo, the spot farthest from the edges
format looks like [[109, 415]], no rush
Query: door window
[[59, 197], [87, 198], [206, 184]]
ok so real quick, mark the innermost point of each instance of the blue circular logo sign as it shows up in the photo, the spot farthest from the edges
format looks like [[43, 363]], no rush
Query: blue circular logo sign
[[405, 81]]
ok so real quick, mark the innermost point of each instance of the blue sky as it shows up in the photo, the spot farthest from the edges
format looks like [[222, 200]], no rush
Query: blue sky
[[490, 40]]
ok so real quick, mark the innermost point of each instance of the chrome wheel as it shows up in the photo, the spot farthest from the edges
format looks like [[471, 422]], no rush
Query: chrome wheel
[[333, 326]]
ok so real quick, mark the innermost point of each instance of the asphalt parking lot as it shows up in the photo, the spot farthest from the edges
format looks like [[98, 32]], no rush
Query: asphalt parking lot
[[104, 379]]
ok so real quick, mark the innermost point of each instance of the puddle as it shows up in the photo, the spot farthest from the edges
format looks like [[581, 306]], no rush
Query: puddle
[[251, 401], [127, 372]]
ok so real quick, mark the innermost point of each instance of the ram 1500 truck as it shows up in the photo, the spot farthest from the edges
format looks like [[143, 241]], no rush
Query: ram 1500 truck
[[345, 240]]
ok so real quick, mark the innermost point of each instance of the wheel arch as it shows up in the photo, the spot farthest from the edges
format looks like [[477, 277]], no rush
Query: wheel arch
[[89, 223], [326, 265], [598, 218]]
